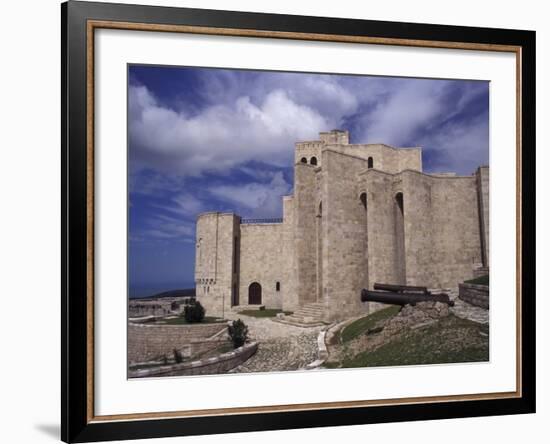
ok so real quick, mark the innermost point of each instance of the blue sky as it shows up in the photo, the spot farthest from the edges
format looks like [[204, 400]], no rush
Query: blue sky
[[205, 139]]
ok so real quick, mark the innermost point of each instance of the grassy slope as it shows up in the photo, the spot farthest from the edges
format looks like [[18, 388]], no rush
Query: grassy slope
[[482, 280], [362, 325], [449, 340]]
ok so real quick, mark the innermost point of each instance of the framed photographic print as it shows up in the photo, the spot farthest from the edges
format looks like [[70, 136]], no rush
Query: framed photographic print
[[276, 221]]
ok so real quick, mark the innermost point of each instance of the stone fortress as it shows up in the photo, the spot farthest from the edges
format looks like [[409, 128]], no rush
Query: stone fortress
[[359, 214]]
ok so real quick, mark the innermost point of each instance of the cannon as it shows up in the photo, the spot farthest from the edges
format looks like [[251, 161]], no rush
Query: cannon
[[401, 298], [401, 288]]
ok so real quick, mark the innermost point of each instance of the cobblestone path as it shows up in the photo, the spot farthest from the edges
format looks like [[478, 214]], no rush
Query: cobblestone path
[[280, 347]]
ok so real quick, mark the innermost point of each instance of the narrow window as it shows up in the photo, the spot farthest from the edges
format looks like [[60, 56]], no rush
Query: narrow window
[[313, 160], [303, 160], [363, 198], [235, 253], [278, 286], [370, 162]]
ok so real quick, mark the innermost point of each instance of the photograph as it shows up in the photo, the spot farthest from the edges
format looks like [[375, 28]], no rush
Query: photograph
[[276, 221], [297, 221]]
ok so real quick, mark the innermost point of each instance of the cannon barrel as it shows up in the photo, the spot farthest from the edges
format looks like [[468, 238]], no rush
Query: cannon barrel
[[388, 297], [400, 288]]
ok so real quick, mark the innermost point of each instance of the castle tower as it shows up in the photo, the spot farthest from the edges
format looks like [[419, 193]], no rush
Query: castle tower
[[217, 262], [310, 152]]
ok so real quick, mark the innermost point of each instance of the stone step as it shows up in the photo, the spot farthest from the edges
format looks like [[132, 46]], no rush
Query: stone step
[[308, 312], [303, 319], [298, 322], [314, 305]]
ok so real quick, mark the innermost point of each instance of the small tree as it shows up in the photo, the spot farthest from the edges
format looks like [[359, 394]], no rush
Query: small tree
[[194, 312], [238, 333]]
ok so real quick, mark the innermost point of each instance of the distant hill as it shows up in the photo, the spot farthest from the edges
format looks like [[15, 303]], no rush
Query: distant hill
[[186, 292]]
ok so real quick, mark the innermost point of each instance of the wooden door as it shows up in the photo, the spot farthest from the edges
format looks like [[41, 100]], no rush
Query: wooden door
[[254, 294]]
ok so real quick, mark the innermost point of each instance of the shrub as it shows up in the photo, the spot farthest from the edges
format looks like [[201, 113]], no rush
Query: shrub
[[178, 357], [238, 333], [194, 312]]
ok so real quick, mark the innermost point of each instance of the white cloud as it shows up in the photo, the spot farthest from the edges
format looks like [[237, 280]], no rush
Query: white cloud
[[222, 136], [256, 198], [460, 148], [408, 109], [163, 228], [186, 205], [252, 116]]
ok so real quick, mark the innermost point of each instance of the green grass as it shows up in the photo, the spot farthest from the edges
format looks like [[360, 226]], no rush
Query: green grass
[[482, 280], [181, 321], [266, 313], [362, 325], [450, 340]]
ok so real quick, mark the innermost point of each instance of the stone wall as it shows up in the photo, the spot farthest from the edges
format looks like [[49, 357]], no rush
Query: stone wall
[[211, 366], [289, 299], [456, 249], [441, 228], [330, 246], [148, 342], [384, 158], [305, 205], [383, 263], [150, 308], [482, 176], [216, 266], [419, 227], [308, 150], [262, 261], [477, 295], [343, 235]]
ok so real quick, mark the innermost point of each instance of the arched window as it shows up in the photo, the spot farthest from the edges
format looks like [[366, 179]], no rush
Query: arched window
[[277, 286], [303, 160], [363, 198], [313, 160], [370, 162]]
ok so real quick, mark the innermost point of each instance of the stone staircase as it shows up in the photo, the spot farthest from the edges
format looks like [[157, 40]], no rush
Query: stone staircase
[[308, 315]]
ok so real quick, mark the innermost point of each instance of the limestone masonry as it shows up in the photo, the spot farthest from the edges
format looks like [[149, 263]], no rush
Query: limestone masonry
[[360, 214]]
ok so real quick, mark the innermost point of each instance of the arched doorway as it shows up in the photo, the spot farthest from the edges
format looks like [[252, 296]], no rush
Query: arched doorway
[[254, 294]]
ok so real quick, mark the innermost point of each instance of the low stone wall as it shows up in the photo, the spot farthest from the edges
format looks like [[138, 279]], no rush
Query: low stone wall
[[150, 342], [474, 294], [482, 271], [210, 366]]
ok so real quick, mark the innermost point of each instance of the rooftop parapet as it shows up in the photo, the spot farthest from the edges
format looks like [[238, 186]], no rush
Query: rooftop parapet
[[335, 137]]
